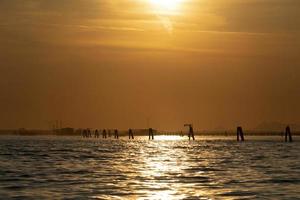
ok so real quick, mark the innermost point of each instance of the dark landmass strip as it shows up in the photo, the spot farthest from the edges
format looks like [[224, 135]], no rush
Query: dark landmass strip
[[140, 132]]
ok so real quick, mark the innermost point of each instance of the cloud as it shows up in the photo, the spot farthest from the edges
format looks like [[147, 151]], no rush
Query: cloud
[[66, 21], [259, 15], [253, 16]]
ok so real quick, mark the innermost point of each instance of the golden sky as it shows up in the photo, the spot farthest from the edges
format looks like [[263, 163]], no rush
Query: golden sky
[[117, 63]]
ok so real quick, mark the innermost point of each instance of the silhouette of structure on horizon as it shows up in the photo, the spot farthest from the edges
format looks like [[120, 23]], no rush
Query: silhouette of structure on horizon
[[84, 134], [96, 134], [191, 131], [130, 134], [116, 134], [240, 134], [181, 134], [151, 134], [104, 134], [288, 135]]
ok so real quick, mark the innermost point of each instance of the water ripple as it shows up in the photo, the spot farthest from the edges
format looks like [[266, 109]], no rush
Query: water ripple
[[74, 168]]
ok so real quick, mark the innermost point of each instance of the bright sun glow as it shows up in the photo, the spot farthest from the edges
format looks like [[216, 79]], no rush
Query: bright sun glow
[[166, 5]]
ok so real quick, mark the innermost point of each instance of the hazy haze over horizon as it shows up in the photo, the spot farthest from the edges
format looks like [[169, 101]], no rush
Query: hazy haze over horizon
[[127, 63]]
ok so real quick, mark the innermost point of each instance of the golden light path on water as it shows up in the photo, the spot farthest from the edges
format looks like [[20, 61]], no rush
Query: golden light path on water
[[162, 164], [168, 137], [169, 167]]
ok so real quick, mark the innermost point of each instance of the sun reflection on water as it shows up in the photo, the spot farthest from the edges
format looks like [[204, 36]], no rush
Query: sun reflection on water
[[168, 137], [165, 171]]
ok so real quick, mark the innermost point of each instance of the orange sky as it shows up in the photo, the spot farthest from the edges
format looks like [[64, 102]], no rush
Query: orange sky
[[117, 63]]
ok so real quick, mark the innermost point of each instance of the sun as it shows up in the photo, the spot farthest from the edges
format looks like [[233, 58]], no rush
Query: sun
[[166, 5]]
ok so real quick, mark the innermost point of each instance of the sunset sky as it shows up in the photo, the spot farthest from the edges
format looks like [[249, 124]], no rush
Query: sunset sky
[[121, 63]]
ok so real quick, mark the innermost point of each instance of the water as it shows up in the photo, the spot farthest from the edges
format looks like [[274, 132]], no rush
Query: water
[[166, 168]]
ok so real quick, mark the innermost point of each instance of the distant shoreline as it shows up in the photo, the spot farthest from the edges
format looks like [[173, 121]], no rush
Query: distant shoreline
[[143, 132]]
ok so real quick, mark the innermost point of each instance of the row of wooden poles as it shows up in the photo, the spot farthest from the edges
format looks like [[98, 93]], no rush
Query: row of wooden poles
[[240, 134], [86, 133]]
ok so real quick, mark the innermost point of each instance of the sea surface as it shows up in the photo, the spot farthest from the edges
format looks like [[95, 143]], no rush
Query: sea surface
[[169, 167]]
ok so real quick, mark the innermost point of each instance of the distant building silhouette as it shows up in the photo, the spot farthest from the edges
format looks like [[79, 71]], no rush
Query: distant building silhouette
[[67, 131]]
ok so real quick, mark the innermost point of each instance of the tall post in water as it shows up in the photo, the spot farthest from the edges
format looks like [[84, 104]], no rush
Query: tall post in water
[[96, 134], [151, 134], [288, 134], [130, 134], [240, 134], [116, 134], [104, 135], [191, 131]]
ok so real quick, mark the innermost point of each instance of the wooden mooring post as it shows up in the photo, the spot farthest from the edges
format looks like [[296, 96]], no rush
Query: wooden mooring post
[[191, 131], [130, 134], [151, 134], [116, 134], [288, 135], [240, 134], [104, 134], [96, 133]]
